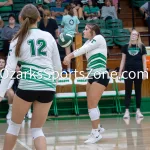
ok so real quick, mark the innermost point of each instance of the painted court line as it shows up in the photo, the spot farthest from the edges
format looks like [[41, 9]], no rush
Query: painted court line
[[24, 145]]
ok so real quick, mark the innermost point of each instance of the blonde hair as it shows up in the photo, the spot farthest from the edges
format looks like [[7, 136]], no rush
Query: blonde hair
[[139, 41]]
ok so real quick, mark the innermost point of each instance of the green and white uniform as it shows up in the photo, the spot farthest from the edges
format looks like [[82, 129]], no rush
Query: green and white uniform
[[96, 54], [39, 58]]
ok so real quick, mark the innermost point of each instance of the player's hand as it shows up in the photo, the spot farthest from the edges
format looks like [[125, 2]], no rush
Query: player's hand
[[67, 60], [1, 99]]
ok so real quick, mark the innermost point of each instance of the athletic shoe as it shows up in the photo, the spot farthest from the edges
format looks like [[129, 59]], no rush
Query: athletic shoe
[[9, 115], [126, 115], [93, 138], [139, 114]]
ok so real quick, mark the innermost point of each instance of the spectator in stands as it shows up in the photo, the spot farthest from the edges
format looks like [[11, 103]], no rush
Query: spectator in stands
[[77, 9], [145, 9], [91, 11], [48, 24], [5, 5], [9, 94], [108, 11], [70, 25], [58, 11], [8, 32], [132, 64]]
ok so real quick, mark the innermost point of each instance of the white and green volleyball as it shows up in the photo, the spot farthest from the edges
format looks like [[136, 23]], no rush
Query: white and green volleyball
[[65, 39]]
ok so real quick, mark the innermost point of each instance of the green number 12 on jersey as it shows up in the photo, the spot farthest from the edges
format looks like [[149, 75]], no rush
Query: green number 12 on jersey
[[37, 48]]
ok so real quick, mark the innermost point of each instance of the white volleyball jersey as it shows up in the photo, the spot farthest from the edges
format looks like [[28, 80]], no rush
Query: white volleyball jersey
[[39, 59], [96, 54]]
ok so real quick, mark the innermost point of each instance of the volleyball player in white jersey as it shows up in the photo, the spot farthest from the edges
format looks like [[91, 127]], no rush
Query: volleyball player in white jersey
[[96, 53], [38, 54]]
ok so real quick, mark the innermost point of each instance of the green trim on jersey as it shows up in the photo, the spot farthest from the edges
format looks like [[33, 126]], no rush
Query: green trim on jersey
[[33, 65], [98, 66], [33, 75], [97, 56], [95, 62]]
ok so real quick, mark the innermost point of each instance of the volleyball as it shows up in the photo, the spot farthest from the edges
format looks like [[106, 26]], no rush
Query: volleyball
[[65, 39]]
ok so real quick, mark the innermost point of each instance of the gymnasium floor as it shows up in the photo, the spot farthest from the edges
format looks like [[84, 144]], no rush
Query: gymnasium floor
[[70, 134]]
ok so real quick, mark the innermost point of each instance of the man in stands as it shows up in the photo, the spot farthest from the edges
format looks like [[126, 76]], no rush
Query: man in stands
[[58, 11]]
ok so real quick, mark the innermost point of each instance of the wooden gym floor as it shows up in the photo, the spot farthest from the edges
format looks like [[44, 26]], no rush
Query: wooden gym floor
[[70, 134]]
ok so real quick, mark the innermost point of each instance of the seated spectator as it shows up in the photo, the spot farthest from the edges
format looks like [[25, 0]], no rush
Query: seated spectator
[[48, 24], [92, 11], [8, 32], [5, 5], [77, 9], [145, 9], [108, 11], [58, 11]]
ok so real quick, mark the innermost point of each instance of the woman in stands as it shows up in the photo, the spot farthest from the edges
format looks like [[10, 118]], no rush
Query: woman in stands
[[132, 64], [37, 53], [108, 11], [48, 24], [91, 11], [70, 25], [96, 53]]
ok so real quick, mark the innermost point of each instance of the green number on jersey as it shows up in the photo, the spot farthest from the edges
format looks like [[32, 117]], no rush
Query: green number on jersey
[[41, 46]]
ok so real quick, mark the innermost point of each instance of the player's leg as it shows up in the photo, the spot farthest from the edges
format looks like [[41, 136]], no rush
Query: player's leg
[[19, 110], [9, 95], [68, 51], [95, 91], [41, 108], [40, 112], [94, 94]]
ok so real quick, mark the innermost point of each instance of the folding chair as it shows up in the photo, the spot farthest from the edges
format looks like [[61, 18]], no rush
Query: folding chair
[[63, 85]]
